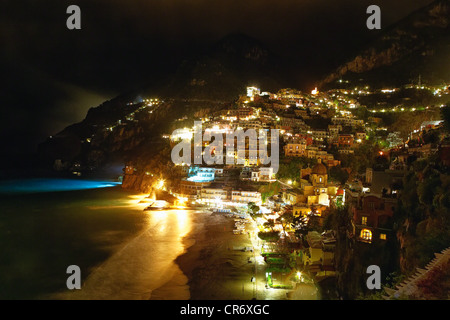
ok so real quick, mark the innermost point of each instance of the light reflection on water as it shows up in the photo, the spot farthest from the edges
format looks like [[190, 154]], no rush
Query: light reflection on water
[[145, 263], [26, 186], [123, 251]]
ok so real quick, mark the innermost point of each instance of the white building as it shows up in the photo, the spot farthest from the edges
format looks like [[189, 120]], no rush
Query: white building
[[253, 91], [266, 174], [213, 195], [246, 196]]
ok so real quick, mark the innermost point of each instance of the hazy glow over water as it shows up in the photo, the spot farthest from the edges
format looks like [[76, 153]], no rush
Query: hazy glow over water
[[51, 185]]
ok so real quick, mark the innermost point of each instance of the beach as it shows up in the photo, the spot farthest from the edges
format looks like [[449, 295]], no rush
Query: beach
[[123, 251], [216, 267]]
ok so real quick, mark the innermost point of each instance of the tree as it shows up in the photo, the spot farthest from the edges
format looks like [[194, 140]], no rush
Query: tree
[[339, 174], [303, 225], [270, 224], [286, 219], [269, 190], [362, 113], [253, 209], [290, 167], [314, 223]]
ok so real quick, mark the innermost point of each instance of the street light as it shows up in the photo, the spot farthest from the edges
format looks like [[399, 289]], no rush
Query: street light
[[160, 184]]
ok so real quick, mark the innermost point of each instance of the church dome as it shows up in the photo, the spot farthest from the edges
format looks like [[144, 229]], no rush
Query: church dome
[[319, 169]]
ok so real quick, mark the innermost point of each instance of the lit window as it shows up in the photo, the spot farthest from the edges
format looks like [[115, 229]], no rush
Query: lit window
[[383, 236], [320, 179], [364, 220], [366, 235]]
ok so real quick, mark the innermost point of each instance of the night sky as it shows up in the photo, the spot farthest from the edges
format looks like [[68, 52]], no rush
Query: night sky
[[51, 75]]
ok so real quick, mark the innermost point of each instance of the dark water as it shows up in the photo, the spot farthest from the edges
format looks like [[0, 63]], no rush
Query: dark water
[[41, 234]]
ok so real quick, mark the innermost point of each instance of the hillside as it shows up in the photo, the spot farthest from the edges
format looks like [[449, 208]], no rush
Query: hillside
[[224, 70], [119, 130], [418, 45]]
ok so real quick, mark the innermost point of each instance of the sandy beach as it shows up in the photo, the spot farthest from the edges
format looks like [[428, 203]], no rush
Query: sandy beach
[[217, 270]]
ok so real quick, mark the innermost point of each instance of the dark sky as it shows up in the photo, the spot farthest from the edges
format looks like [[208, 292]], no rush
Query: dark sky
[[51, 75]]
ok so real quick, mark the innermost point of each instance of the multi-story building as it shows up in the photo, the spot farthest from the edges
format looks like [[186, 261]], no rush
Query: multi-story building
[[372, 217], [251, 124], [334, 130], [266, 174], [347, 121], [319, 134], [346, 151], [253, 91], [213, 195], [301, 113], [262, 174], [241, 196], [190, 189], [346, 140], [311, 151], [201, 174], [291, 196], [291, 122], [360, 136], [244, 113], [297, 149]]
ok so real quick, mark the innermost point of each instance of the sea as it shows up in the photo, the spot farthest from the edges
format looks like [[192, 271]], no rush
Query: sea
[[123, 252]]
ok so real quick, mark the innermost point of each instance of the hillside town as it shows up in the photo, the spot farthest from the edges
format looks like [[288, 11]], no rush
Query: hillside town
[[332, 160]]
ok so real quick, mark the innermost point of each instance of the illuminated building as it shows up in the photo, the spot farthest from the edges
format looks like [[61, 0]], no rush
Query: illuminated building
[[334, 130], [320, 257], [372, 217], [346, 140], [213, 195], [319, 134], [262, 174], [201, 174], [316, 190], [295, 149], [253, 91], [360, 135], [246, 196]]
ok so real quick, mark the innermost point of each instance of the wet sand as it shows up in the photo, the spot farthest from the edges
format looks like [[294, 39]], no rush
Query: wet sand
[[217, 270]]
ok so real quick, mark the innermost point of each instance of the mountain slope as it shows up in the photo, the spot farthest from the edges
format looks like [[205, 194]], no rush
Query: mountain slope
[[417, 45], [223, 71]]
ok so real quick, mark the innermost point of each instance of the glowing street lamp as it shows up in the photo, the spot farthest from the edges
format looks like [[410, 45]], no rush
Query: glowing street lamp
[[160, 184]]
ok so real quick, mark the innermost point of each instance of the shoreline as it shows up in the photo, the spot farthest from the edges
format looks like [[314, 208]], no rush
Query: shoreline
[[216, 271]]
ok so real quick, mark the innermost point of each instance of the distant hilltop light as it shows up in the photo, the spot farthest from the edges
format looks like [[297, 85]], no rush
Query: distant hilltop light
[[253, 91], [315, 91]]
